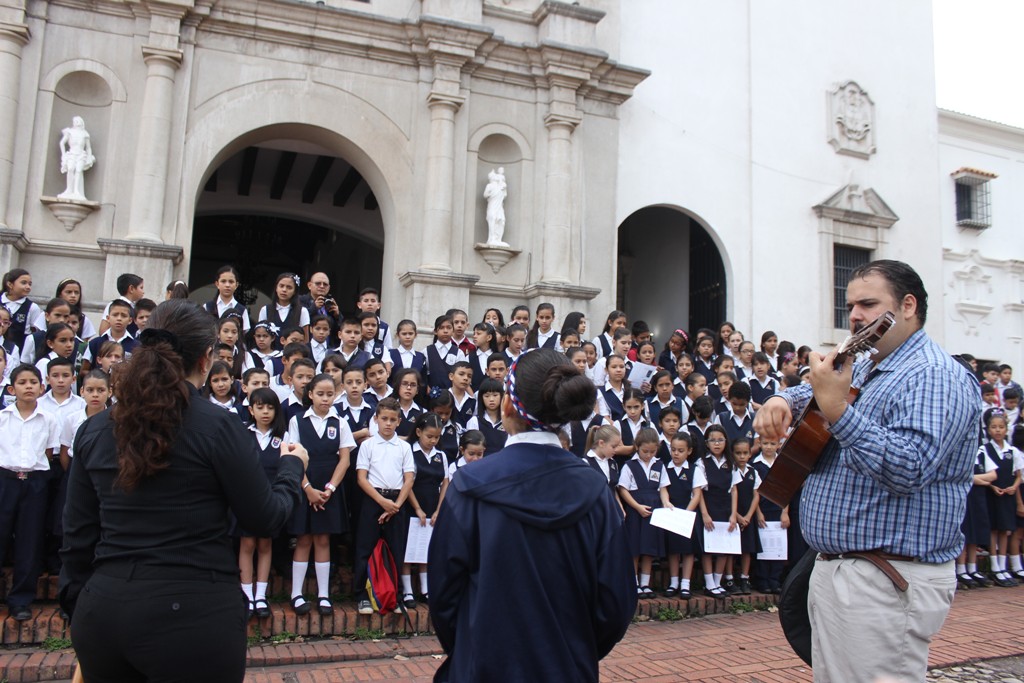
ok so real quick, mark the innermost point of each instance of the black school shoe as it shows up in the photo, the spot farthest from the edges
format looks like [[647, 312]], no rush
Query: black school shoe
[[730, 587], [304, 608], [684, 594], [409, 601], [21, 613], [981, 579], [671, 592], [965, 581], [743, 587]]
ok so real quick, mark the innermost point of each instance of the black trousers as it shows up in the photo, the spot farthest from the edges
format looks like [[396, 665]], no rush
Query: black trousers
[[160, 631], [368, 531], [22, 523]]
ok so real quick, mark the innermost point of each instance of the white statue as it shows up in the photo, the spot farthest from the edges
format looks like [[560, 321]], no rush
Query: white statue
[[495, 193], [75, 158]]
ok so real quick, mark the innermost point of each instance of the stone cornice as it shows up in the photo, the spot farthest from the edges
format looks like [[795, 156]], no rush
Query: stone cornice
[[144, 249], [19, 33]]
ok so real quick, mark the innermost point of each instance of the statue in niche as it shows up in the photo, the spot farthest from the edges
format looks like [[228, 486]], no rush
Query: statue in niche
[[495, 192], [75, 158]]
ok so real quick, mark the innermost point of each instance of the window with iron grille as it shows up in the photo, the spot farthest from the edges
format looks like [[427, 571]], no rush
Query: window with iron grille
[[973, 201], [845, 260]]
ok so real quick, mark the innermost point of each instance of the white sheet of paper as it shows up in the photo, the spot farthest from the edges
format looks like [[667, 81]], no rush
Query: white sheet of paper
[[676, 520], [774, 542], [641, 373], [418, 542], [721, 541]]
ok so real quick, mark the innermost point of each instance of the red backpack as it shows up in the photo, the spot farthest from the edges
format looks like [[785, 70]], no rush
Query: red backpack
[[381, 581]]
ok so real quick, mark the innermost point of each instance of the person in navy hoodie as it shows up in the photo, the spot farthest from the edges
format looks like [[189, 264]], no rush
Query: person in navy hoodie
[[562, 565]]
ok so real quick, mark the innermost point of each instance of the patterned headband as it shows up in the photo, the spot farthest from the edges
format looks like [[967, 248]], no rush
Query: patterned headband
[[682, 334], [268, 326], [510, 391], [786, 357]]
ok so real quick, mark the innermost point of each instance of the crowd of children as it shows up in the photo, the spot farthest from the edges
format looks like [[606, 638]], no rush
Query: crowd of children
[[387, 425]]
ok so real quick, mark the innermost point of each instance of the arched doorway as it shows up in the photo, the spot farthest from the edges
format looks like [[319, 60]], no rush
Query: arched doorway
[[287, 205], [670, 272]]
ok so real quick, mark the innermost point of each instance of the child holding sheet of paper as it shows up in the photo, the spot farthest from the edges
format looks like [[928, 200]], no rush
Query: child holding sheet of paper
[[679, 494]]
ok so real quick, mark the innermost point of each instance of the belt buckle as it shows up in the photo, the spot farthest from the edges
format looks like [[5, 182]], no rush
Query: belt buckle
[[23, 475]]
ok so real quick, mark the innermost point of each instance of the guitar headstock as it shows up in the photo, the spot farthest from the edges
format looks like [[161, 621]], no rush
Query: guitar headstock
[[865, 339]]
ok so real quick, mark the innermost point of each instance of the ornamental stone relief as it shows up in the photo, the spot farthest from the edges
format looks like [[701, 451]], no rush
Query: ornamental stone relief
[[851, 120]]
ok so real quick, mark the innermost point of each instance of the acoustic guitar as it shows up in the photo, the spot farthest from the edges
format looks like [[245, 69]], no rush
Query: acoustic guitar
[[802, 448]]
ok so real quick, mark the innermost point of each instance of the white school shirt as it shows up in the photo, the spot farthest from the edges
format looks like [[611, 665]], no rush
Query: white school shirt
[[602, 405], [106, 309], [474, 422], [987, 462], [25, 441], [628, 481], [482, 356], [465, 397], [684, 418], [543, 338], [600, 372], [597, 342], [450, 353], [436, 453], [229, 406], [386, 461], [34, 319], [87, 330], [283, 311], [406, 356], [1008, 449], [223, 308], [388, 390], [602, 463], [41, 366], [345, 439], [319, 350], [71, 426], [743, 473], [63, 412], [264, 438], [700, 475]]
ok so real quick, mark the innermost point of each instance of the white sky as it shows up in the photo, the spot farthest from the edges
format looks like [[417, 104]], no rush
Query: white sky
[[979, 58]]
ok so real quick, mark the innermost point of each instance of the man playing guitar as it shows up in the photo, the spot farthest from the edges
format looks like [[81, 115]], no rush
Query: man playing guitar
[[884, 503]]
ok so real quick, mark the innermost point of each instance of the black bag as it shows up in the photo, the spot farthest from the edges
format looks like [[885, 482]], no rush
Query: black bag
[[796, 623]]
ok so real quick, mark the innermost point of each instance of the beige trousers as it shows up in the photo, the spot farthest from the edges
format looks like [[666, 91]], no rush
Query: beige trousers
[[863, 628]]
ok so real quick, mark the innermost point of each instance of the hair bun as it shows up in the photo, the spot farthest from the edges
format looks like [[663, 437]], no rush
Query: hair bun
[[152, 336], [568, 394]]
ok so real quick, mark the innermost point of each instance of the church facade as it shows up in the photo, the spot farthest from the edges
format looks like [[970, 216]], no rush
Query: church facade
[[686, 162]]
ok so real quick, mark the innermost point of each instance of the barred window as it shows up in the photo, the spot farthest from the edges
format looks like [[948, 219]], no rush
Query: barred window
[[845, 261], [973, 198]]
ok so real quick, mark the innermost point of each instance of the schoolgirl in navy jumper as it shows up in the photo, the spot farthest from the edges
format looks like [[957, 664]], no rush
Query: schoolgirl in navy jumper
[[664, 397], [442, 404], [520, 316], [602, 440], [674, 348], [320, 339], [669, 424], [264, 353], [471, 449], [646, 352], [721, 338], [722, 364], [494, 317], [70, 290], [976, 527], [488, 416], [696, 387], [59, 342], [738, 422], [769, 346], [226, 284], [611, 395], [407, 387], [26, 317], [268, 429], [12, 352], [229, 332], [1002, 497], [704, 358], [679, 493], [34, 348], [515, 343], [723, 387], [745, 501], [371, 344], [578, 357], [543, 335], [788, 365], [640, 486], [328, 441], [762, 385], [425, 496], [621, 346], [630, 424], [603, 342], [684, 368], [220, 387], [442, 354], [404, 355], [591, 354], [745, 363], [486, 346], [716, 474], [284, 309], [463, 402], [769, 572]]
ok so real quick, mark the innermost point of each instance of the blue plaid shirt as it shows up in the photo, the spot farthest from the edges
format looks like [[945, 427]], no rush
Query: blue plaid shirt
[[896, 473]]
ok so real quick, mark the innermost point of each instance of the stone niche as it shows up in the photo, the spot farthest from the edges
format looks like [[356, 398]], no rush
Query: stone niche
[[500, 151], [85, 94]]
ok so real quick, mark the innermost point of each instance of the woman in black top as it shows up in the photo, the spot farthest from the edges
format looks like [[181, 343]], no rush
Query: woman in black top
[[149, 576]]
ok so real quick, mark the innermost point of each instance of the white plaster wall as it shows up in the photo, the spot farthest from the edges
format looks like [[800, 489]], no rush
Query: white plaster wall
[[983, 301], [732, 127]]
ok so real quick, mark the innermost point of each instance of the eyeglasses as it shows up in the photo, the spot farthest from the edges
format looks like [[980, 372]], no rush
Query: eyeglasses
[[409, 385], [716, 440]]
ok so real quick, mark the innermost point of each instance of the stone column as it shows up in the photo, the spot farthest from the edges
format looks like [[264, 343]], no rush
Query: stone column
[[437, 219], [152, 152], [12, 38], [558, 200]]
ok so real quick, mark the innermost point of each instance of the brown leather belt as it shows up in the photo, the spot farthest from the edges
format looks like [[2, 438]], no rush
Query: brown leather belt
[[880, 559]]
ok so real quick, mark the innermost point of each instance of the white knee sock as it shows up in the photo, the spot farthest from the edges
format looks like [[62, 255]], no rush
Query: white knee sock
[[645, 580], [406, 584], [1000, 563], [972, 567], [423, 583], [323, 579], [261, 590], [298, 576], [1015, 563], [718, 580], [709, 581], [959, 569], [247, 589], [673, 582], [685, 584]]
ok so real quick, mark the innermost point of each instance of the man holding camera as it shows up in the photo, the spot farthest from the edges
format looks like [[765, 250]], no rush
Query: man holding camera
[[319, 300]]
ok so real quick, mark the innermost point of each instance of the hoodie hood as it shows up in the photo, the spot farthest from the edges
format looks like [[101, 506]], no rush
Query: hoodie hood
[[542, 486]]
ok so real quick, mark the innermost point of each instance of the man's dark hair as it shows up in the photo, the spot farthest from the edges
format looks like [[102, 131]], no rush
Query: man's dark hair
[[126, 280], [902, 280]]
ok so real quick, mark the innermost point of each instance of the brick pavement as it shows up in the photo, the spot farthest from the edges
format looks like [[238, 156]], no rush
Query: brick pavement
[[983, 624]]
